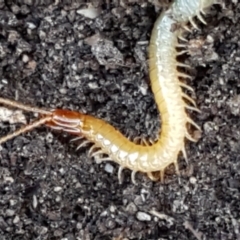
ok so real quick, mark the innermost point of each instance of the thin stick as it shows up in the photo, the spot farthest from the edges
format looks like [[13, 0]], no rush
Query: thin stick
[[27, 108], [26, 128]]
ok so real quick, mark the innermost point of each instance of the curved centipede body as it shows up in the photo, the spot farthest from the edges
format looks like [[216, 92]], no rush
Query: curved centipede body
[[169, 97]]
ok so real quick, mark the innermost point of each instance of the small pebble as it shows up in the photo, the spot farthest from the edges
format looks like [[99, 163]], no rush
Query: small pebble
[[142, 216], [16, 219], [108, 168], [10, 212], [57, 189]]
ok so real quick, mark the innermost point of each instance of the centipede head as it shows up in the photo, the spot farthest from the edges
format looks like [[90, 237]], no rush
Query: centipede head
[[67, 121]]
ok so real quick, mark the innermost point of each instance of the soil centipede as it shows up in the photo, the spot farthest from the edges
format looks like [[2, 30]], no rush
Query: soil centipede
[[147, 157]]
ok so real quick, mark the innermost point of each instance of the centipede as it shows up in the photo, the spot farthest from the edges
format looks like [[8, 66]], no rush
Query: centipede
[[147, 156]]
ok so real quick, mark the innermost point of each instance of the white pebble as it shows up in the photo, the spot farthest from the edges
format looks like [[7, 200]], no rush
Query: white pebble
[[10, 212], [35, 201], [142, 216], [193, 180], [31, 25], [89, 12], [108, 168], [57, 189], [25, 58], [16, 219]]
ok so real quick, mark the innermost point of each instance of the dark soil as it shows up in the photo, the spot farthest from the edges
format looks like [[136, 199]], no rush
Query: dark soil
[[53, 57]]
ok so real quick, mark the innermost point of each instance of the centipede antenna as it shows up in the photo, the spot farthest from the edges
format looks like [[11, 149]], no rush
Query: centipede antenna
[[26, 128], [24, 107]]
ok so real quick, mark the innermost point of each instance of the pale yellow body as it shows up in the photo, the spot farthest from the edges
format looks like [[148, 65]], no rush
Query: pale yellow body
[[168, 95], [167, 90]]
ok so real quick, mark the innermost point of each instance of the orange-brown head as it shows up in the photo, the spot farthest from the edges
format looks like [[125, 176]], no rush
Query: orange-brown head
[[67, 121]]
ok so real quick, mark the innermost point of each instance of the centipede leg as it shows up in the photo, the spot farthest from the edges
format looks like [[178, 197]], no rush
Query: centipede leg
[[152, 141], [182, 38], [186, 28], [97, 153], [182, 52], [184, 75], [91, 150], [162, 176], [193, 123], [192, 108], [189, 137], [137, 140], [144, 142], [120, 169], [176, 168], [184, 154], [186, 86], [193, 23], [152, 177], [133, 177], [84, 143], [189, 99], [201, 18], [183, 65], [180, 45]]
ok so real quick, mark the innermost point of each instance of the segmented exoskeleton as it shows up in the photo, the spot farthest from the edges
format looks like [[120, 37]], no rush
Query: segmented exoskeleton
[[147, 157]]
